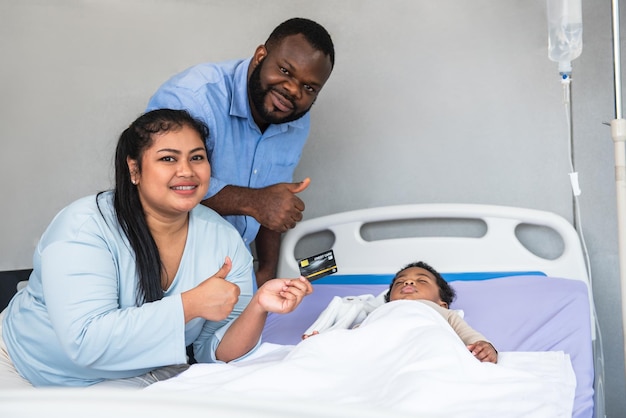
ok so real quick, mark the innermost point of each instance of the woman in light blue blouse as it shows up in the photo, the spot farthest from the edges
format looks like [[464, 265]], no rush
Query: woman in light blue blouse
[[124, 280]]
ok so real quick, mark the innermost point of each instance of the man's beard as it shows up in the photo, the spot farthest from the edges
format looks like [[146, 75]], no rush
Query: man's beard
[[258, 95]]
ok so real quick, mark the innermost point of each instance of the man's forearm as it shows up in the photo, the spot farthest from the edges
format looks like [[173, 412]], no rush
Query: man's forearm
[[233, 200], [267, 244]]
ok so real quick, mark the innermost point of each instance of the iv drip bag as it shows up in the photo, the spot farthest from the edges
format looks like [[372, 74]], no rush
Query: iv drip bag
[[565, 32]]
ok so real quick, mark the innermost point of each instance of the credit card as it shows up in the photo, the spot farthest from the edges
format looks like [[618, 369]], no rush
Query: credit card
[[318, 266]]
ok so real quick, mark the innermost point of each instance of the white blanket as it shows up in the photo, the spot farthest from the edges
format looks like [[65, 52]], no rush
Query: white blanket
[[404, 357], [344, 313]]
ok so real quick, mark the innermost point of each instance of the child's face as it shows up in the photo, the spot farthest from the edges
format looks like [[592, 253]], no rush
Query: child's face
[[416, 283]]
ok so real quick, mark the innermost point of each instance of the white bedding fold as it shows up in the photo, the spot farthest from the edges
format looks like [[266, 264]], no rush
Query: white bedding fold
[[404, 357], [343, 313]]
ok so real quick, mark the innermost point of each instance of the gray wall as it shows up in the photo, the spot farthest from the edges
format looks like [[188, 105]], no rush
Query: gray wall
[[430, 101]]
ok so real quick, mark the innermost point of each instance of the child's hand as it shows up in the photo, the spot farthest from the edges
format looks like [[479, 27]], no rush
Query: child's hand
[[305, 336], [484, 351]]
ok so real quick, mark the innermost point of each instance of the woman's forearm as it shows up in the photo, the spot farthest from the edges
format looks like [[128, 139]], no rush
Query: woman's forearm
[[243, 335]]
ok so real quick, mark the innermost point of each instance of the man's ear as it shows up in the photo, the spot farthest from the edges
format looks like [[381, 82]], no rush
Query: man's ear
[[259, 55], [443, 304]]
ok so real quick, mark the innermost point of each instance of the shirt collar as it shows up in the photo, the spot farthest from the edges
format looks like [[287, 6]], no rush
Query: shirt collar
[[240, 107]]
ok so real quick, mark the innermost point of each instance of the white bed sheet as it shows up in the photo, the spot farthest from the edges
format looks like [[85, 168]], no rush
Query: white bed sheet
[[405, 358]]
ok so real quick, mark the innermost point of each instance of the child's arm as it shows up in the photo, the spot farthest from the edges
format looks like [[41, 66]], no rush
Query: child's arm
[[480, 347]]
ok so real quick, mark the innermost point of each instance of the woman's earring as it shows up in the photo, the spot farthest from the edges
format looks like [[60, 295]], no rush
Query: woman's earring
[[134, 181]]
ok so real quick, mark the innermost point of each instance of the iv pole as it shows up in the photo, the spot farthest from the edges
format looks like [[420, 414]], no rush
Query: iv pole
[[618, 133]]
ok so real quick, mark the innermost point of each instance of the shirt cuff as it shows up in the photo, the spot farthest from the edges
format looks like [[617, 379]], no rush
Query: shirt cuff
[[217, 338]]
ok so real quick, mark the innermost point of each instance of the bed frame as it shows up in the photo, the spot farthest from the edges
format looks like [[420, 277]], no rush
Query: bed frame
[[498, 250]]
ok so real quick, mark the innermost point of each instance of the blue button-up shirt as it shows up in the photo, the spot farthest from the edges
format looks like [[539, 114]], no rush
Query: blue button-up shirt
[[239, 153]]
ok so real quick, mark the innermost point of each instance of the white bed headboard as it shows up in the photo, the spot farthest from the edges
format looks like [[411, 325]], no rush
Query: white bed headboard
[[498, 250]]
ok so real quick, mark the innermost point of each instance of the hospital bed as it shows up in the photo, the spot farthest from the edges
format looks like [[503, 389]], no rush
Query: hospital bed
[[521, 280], [520, 275]]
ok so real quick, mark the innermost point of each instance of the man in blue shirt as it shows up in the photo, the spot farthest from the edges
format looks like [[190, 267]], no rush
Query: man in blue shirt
[[257, 111]]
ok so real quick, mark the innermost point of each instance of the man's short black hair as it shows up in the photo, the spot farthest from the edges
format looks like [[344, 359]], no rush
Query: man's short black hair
[[312, 31]]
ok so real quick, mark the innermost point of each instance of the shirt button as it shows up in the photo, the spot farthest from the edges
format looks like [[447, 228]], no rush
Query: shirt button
[[255, 171]]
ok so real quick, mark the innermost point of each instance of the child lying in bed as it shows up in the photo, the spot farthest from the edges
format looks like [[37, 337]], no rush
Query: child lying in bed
[[420, 282]]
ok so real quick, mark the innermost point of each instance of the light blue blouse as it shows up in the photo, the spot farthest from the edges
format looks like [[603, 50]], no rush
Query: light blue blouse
[[77, 323], [239, 153]]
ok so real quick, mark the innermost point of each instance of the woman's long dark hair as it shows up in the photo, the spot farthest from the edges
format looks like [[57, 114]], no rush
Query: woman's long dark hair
[[132, 144]]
